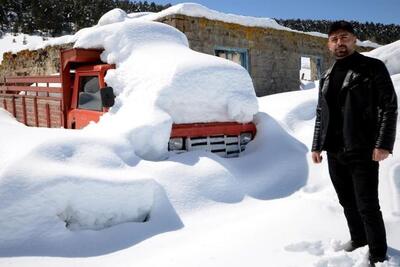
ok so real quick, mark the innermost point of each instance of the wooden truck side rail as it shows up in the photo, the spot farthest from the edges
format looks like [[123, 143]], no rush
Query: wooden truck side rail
[[33, 101]]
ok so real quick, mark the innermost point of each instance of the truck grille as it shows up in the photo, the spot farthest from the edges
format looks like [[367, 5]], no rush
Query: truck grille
[[223, 145]]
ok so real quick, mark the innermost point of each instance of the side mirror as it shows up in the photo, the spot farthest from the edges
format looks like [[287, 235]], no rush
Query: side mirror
[[107, 97]]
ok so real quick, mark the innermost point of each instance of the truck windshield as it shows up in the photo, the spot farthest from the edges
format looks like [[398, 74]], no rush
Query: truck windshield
[[89, 93]]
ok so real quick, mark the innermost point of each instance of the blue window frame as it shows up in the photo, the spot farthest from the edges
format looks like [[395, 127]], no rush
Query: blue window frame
[[237, 55]]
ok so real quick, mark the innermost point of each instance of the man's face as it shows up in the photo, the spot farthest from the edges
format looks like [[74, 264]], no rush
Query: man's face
[[342, 43]]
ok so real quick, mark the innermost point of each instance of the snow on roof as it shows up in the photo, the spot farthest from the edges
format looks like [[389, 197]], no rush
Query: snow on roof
[[197, 10]]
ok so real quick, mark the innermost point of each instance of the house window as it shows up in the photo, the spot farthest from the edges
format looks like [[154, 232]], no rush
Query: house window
[[237, 55]]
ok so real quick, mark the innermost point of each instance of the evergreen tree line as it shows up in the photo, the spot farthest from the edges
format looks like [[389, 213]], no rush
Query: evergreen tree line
[[375, 32], [55, 17]]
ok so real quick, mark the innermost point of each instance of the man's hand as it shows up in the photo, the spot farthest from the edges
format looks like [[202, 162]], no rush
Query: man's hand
[[316, 156], [380, 154]]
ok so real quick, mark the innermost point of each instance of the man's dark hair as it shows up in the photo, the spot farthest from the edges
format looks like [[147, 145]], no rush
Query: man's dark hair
[[341, 25]]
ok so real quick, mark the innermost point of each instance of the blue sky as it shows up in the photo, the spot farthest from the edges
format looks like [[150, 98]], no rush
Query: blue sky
[[383, 11]]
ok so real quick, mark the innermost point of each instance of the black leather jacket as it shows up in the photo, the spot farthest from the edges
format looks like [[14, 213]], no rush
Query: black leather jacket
[[368, 107]]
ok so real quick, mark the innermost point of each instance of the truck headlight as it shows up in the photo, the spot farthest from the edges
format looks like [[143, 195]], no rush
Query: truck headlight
[[245, 138], [175, 143]]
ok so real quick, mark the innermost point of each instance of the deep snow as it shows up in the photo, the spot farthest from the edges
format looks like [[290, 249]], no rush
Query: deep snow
[[74, 198], [270, 205]]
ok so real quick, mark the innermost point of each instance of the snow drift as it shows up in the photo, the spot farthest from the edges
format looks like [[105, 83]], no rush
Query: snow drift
[[390, 55]]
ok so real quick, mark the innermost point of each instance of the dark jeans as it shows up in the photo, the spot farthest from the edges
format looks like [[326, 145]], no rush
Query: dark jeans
[[355, 177]]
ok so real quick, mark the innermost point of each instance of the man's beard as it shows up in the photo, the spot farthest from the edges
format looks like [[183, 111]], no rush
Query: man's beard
[[342, 51]]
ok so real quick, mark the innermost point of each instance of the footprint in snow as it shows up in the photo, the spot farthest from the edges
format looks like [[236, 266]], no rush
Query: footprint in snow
[[332, 255], [313, 248]]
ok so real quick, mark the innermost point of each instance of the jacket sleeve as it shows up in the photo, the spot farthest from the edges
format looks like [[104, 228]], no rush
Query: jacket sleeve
[[387, 108], [316, 145]]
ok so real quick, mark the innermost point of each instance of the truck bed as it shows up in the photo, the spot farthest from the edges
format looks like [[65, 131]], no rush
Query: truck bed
[[32, 101]]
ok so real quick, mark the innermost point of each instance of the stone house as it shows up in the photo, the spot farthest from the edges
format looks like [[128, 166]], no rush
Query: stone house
[[272, 56]]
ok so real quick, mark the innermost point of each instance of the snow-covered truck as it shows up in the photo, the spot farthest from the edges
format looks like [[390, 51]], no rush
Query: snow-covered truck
[[80, 95]]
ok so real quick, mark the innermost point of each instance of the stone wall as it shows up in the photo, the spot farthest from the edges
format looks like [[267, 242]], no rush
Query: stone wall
[[274, 55], [44, 61]]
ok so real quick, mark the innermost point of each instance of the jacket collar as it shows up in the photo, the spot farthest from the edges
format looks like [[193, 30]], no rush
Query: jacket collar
[[351, 75], [355, 56]]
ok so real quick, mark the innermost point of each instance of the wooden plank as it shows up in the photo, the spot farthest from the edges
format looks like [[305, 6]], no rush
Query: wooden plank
[[13, 103], [48, 116], [4, 104], [34, 79], [19, 88], [36, 112], [24, 110], [50, 98]]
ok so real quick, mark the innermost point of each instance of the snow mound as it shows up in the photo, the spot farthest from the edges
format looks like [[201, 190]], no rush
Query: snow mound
[[74, 190], [112, 16], [160, 80], [389, 54]]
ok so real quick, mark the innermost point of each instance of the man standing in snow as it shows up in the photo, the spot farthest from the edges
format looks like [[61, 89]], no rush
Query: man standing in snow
[[356, 124]]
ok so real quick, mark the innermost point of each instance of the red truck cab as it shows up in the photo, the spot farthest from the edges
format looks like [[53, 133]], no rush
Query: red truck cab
[[86, 103], [83, 96]]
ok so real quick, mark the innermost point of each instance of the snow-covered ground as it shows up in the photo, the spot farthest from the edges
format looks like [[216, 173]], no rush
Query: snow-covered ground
[[84, 198]]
